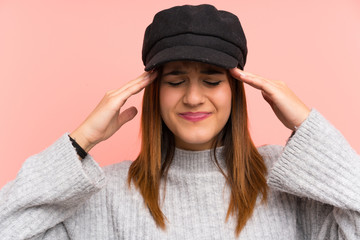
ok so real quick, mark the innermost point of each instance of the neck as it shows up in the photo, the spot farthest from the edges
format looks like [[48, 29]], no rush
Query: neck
[[197, 161]]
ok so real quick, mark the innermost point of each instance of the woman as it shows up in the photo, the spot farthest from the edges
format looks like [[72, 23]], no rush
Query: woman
[[198, 174]]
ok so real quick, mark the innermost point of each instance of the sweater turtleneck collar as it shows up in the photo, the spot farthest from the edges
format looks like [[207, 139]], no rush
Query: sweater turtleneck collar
[[197, 161]]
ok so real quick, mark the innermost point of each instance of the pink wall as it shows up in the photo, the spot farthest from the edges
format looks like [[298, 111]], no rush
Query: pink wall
[[58, 58]]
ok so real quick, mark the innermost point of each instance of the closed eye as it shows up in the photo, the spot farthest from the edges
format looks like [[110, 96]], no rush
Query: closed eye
[[212, 83], [175, 83]]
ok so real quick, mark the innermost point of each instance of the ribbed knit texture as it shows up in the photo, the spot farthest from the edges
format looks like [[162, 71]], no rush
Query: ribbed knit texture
[[314, 193]]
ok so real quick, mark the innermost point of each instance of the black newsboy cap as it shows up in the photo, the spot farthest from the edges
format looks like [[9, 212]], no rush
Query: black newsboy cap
[[194, 33]]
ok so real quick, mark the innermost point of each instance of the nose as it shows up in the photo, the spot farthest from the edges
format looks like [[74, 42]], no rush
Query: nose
[[194, 95]]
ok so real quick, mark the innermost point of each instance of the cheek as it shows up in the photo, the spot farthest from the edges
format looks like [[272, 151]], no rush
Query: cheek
[[168, 100], [222, 100]]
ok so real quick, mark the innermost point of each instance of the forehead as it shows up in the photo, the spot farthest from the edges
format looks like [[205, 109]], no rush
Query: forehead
[[190, 65]]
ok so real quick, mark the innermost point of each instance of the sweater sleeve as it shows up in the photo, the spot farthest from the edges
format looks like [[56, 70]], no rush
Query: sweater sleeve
[[47, 190], [320, 167]]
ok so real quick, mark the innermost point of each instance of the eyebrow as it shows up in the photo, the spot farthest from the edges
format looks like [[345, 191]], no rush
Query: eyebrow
[[208, 71], [211, 71], [175, 72]]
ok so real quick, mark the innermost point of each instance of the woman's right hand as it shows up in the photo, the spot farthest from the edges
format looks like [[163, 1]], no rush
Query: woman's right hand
[[106, 118]]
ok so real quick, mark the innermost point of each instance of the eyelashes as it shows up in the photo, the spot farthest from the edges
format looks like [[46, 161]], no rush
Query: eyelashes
[[174, 84], [213, 83]]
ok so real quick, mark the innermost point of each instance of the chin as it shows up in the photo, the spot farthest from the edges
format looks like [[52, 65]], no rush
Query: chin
[[194, 142]]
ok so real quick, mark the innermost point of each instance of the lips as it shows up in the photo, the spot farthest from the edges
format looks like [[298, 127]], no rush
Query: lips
[[195, 116]]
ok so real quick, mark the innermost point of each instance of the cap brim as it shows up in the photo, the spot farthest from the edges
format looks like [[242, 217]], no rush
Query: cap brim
[[192, 53]]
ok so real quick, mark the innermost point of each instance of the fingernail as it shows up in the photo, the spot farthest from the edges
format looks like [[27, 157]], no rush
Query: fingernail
[[147, 76], [242, 74]]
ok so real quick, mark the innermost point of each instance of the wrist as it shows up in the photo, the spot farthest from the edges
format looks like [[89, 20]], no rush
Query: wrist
[[81, 140]]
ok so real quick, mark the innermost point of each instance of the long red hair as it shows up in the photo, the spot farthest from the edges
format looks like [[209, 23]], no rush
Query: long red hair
[[246, 169]]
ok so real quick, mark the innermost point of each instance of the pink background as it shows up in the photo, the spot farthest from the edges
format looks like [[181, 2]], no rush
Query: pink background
[[58, 58]]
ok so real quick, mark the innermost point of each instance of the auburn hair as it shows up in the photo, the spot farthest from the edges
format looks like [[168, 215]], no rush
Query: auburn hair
[[245, 169]]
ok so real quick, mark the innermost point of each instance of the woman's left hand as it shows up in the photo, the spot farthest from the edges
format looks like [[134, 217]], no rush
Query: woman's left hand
[[290, 110]]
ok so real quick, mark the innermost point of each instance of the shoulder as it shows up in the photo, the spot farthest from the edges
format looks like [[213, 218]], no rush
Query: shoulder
[[117, 171], [270, 154], [117, 180]]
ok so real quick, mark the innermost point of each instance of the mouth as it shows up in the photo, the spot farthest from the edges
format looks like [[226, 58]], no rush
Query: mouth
[[195, 116]]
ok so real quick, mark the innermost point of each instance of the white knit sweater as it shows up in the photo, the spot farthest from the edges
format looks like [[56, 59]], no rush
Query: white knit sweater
[[314, 193]]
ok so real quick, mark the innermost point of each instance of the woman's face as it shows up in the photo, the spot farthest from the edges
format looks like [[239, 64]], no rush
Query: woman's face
[[195, 102]]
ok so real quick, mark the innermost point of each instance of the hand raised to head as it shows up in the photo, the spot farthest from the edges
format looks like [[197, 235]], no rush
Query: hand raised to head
[[106, 118], [290, 110]]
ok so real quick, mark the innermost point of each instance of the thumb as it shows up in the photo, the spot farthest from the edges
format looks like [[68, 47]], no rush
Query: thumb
[[127, 115], [267, 98]]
